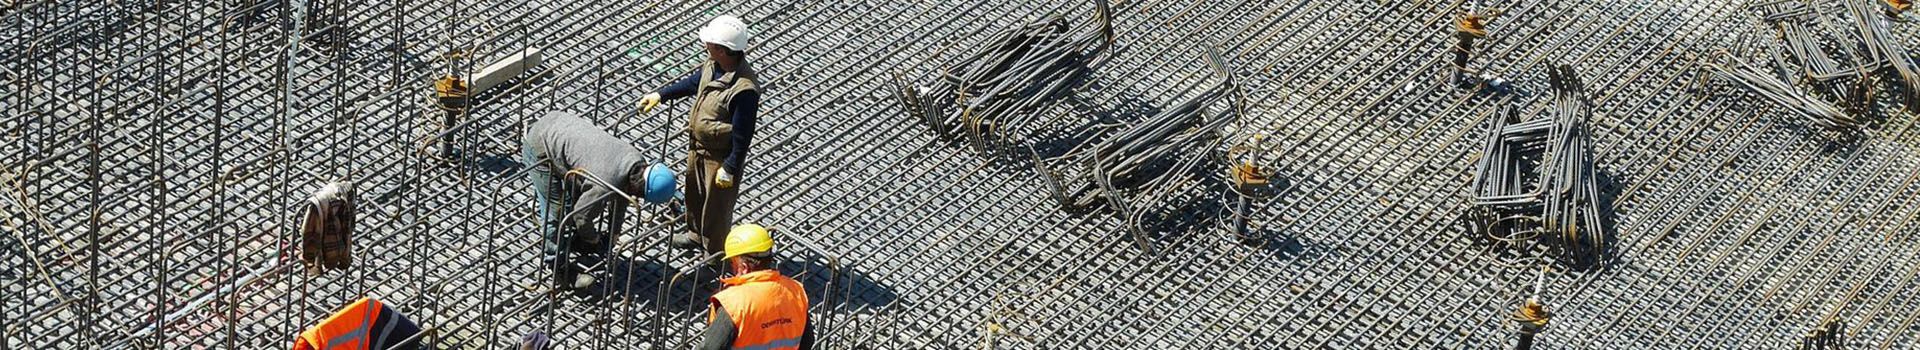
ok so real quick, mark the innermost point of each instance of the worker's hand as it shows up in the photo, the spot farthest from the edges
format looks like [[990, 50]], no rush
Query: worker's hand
[[649, 101], [724, 179]]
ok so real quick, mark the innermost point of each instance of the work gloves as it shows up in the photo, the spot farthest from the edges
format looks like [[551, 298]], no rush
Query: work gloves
[[724, 179], [649, 101]]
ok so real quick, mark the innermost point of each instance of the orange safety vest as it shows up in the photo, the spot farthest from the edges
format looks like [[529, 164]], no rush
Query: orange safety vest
[[366, 324], [768, 309]]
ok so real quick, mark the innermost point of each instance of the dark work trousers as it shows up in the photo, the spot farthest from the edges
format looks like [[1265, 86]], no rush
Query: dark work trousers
[[710, 208]]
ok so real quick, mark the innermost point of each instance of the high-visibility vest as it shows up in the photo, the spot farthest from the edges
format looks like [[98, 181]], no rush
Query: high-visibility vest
[[768, 310], [366, 324]]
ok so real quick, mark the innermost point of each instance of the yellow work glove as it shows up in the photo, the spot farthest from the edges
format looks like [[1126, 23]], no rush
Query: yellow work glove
[[649, 101], [724, 179]]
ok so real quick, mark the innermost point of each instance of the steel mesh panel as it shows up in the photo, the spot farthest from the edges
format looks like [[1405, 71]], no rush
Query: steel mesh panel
[[158, 151]]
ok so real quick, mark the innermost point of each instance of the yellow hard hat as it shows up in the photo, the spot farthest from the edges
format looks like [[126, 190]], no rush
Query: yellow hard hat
[[748, 239]]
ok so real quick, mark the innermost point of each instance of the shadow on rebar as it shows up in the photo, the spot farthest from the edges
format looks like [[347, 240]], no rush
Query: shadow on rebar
[[851, 289], [826, 288], [633, 278]]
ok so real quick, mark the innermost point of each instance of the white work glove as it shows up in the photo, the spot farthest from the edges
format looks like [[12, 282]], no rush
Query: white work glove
[[582, 281], [649, 101], [724, 179]]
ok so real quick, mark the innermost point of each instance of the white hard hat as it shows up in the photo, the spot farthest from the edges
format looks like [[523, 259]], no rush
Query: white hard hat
[[726, 30]]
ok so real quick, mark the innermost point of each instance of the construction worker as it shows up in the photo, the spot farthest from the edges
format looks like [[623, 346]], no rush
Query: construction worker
[[721, 125], [365, 324], [759, 308], [560, 143], [1895, 7]]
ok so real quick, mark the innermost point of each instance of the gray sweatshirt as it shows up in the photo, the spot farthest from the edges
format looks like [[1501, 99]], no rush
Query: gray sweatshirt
[[572, 142]]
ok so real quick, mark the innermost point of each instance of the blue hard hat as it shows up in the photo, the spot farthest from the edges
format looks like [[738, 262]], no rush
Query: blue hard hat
[[659, 184]]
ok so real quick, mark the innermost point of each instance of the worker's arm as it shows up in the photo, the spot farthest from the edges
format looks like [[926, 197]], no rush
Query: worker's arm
[[746, 111], [719, 335], [806, 336], [684, 87], [616, 213]]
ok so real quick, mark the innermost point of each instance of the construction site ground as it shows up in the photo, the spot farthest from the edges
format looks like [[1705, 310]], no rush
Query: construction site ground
[[158, 154]]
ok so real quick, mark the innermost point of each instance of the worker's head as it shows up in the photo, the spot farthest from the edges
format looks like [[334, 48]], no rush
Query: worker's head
[[749, 248], [655, 184], [725, 38]]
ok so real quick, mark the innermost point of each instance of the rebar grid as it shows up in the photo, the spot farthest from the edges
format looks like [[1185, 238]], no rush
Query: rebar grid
[[158, 153]]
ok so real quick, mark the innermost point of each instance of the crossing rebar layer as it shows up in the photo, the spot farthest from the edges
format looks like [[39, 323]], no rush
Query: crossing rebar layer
[[155, 155]]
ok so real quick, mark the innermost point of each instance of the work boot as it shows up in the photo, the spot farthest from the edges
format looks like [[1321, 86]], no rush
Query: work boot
[[687, 241], [564, 274], [582, 281], [579, 272], [575, 271]]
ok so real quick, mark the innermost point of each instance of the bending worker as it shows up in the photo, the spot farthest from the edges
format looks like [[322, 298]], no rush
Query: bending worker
[[760, 308], [561, 143], [721, 127]]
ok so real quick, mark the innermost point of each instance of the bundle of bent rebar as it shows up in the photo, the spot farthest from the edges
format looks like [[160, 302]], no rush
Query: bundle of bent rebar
[[1878, 43], [1757, 80], [995, 91], [1537, 177], [1572, 196], [1800, 26], [1146, 155], [1824, 56]]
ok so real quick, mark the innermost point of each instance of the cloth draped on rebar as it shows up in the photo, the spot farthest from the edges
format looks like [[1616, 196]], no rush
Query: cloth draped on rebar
[[326, 238]]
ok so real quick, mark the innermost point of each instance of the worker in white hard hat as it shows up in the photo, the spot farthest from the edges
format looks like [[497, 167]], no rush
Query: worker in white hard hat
[[759, 308], [721, 126]]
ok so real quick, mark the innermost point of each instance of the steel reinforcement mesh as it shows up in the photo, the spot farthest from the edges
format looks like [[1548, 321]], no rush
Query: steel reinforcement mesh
[[158, 154]]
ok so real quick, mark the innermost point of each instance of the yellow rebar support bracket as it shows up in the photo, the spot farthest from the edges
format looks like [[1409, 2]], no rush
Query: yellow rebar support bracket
[[450, 93], [1246, 175], [1532, 317], [1476, 23]]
